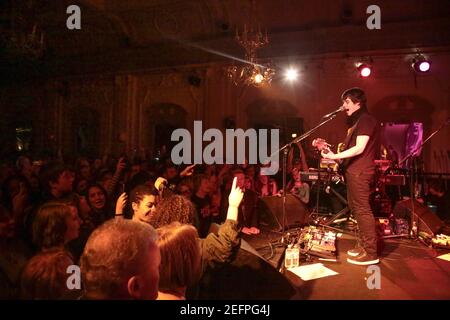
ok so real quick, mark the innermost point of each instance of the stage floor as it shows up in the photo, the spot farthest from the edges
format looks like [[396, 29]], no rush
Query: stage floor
[[409, 270]]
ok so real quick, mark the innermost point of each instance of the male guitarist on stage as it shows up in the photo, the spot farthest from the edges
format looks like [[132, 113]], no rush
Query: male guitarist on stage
[[361, 149]]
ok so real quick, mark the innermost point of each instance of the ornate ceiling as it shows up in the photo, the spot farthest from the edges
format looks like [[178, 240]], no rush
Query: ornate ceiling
[[122, 36]]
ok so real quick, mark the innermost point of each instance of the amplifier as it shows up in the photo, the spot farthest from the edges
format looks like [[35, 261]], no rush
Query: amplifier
[[314, 176]]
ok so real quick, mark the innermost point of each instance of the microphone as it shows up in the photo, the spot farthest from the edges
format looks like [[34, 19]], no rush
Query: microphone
[[341, 108]]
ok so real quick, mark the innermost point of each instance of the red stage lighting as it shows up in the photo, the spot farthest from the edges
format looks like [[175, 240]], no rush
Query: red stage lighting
[[420, 64], [364, 70]]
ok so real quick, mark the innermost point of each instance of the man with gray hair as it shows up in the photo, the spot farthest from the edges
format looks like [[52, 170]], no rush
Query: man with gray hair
[[121, 261]]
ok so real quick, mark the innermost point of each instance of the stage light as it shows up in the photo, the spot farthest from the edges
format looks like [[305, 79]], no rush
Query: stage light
[[364, 70], [424, 66], [294, 135], [291, 74], [259, 78], [420, 64]]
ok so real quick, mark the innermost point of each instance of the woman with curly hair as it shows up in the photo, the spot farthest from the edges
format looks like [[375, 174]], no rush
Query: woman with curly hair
[[175, 208], [218, 247]]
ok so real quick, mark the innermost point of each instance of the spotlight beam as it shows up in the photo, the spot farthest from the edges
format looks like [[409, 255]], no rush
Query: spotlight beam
[[218, 53]]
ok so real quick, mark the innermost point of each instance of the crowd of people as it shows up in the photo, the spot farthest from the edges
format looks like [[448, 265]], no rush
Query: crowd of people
[[129, 225], [140, 229]]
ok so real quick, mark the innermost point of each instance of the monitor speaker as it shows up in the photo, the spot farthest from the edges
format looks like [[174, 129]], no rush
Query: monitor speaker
[[271, 212], [428, 221]]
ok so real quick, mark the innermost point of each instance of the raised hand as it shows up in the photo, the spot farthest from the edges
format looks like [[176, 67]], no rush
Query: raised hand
[[121, 203], [188, 171], [121, 164], [160, 183], [321, 145], [236, 195]]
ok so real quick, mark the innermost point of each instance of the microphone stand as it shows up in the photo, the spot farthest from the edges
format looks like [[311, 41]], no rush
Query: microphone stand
[[285, 150]]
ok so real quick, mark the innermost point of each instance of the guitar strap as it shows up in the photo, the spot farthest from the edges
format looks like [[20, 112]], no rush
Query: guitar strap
[[350, 134]]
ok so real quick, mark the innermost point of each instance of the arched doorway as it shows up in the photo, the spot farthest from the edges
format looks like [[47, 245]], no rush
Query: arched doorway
[[85, 130], [163, 119], [16, 130]]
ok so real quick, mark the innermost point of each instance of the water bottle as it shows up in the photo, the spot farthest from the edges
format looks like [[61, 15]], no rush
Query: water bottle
[[288, 257], [414, 230], [295, 256]]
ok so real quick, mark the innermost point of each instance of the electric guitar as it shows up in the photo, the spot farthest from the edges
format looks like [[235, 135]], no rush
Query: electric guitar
[[322, 145], [342, 164]]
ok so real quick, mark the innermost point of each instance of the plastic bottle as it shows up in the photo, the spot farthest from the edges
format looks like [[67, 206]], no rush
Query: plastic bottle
[[288, 257], [414, 230], [295, 256], [292, 256]]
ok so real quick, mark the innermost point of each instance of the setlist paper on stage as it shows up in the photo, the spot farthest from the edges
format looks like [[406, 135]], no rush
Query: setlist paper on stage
[[445, 257], [312, 271]]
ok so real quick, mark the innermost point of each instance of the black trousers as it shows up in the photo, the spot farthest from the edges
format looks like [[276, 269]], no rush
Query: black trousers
[[358, 193]]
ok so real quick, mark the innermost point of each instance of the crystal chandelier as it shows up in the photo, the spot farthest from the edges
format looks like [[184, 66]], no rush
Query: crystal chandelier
[[252, 72]]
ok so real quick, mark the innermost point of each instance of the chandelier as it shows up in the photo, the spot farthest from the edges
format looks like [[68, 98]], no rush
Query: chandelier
[[251, 72]]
